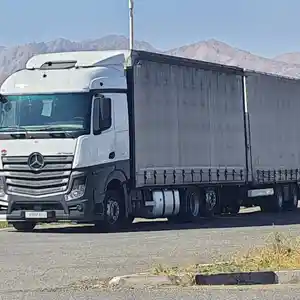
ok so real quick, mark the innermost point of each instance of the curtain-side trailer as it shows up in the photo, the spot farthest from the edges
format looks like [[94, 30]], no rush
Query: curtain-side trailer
[[106, 136]]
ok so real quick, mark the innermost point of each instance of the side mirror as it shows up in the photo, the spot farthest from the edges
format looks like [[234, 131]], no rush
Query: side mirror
[[7, 106], [3, 99]]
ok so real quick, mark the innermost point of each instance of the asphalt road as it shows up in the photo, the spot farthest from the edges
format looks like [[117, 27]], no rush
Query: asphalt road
[[54, 258]]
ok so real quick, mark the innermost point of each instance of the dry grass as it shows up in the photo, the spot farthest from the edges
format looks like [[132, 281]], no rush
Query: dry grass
[[279, 253], [3, 224]]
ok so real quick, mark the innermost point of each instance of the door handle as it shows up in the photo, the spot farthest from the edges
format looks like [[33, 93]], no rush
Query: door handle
[[112, 155]]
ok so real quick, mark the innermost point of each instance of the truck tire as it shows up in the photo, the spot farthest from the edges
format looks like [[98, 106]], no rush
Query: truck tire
[[196, 205], [275, 203], [181, 217], [114, 213], [24, 226], [292, 203], [193, 204]]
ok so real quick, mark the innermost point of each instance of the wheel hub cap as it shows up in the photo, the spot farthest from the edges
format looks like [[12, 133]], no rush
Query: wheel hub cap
[[113, 211], [211, 200]]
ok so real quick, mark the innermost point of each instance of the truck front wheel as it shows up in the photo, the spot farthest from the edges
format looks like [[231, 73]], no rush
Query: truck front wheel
[[24, 226], [114, 212]]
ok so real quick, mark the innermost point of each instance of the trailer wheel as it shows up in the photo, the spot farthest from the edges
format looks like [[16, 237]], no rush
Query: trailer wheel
[[24, 226], [182, 216], [278, 200], [293, 198], [273, 204], [209, 203], [114, 212], [193, 204]]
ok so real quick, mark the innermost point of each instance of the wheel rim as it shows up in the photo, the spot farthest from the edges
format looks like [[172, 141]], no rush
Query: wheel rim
[[210, 200], [194, 205], [295, 198], [112, 211], [279, 198]]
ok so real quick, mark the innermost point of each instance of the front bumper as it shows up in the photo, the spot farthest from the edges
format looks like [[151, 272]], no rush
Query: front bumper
[[56, 208], [3, 205]]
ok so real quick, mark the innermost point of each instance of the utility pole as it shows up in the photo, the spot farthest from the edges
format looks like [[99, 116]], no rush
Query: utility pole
[[131, 30]]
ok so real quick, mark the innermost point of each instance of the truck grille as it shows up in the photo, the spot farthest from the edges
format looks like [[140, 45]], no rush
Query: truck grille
[[52, 178]]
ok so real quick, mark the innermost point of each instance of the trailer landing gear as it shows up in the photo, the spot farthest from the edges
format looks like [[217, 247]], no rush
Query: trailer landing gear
[[230, 201]]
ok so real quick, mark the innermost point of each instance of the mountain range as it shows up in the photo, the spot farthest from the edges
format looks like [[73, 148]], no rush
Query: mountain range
[[288, 64]]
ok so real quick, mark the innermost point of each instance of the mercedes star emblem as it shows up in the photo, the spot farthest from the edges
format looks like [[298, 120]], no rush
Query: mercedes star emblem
[[36, 161]]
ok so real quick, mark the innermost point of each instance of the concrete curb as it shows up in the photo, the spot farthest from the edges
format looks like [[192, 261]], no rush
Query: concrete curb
[[45, 226], [288, 277], [5, 228], [140, 280], [242, 278]]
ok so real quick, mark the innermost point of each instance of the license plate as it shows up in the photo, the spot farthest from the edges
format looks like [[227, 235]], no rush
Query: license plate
[[36, 215]]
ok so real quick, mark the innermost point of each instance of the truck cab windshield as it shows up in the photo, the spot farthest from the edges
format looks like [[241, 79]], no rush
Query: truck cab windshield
[[49, 112]]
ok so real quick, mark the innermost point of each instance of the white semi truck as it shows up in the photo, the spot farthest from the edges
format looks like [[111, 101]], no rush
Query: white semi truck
[[103, 137]]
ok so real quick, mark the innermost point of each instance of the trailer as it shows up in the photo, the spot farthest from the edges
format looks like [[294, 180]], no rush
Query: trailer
[[104, 137], [273, 144]]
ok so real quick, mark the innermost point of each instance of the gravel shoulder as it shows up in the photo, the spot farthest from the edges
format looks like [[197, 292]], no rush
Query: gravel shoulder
[[290, 292]]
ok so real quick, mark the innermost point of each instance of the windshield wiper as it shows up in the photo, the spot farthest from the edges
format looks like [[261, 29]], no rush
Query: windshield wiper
[[14, 128], [53, 131], [56, 128], [17, 131], [58, 131]]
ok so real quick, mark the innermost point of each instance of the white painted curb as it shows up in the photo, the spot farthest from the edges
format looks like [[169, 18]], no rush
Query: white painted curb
[[140, 280]]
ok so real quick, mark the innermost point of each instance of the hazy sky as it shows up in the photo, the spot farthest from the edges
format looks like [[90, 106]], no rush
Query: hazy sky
[[261, 26]]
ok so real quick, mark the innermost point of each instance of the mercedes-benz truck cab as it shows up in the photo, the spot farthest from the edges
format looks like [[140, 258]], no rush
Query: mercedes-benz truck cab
[[63, 125]]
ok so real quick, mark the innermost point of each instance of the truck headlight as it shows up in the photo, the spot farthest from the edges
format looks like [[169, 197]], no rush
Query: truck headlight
[[78, 189]]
